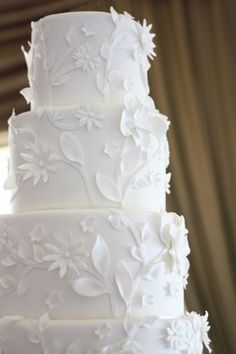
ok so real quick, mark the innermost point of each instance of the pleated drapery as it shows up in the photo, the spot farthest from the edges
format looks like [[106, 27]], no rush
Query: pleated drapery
[[193, 81]]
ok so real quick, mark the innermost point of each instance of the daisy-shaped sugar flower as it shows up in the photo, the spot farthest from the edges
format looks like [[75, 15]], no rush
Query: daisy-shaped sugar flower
[[201, 328], [67, 254], [144, 48], [39, 163], [140, 117], [85, 58], [174, 236], [90, 116]]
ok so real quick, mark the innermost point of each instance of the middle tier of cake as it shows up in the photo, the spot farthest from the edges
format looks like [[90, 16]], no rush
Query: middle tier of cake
[[89, 156], [93, 264]]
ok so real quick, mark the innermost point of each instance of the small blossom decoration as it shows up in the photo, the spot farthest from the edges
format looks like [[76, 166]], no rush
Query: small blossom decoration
[[37, 233], [67, 254], [39, 163], [87, 224], [103, 331], [85, 58], [144, 48], [90, 116], [174, 236], [54, 300], [111, 148]]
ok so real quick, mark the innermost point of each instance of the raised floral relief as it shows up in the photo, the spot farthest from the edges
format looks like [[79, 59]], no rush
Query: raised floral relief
[[111, 148], [54, 300], [67, 253], [85, 58], [38, 164], [189, 333], [144, 48], [88, 224], [103, 331], [37, 233], [90, 116]]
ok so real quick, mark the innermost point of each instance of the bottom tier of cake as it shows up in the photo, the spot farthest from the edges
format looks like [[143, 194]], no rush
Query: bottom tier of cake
[[185, 335]]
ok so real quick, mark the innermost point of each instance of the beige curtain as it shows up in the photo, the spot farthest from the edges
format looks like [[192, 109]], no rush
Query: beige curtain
[[193, 81]]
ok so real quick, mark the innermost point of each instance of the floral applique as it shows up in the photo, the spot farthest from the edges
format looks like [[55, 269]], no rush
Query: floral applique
[[90, 116], [103, 331], [88, 224], [53, 300], [68, 254], [85, 58], [39, 163]]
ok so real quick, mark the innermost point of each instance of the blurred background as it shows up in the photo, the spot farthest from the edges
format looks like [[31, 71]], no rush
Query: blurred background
[[193, 81]]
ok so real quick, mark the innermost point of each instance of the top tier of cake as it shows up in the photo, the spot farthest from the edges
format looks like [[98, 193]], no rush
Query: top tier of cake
[[87, 57]]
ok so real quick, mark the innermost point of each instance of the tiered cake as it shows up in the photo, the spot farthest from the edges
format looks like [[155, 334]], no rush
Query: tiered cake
[[91, 263]]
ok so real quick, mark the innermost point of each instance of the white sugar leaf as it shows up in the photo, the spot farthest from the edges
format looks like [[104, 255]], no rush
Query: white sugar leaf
[[105, 49], [72, 348], [10, 183], [155, 272], [130, 326], [8, 261], [101, 83], [27, 93], [124, 281], [38, 254], [146, 234], [22, 287], [7, 281], [72, 35], [26, 138], [71, 148], [130, 160], [23, 250], [101, 256], [43, 322], [117, 222], [59, 80], [49, 61], [88, 287], [114, 14], [137, 254], [108, 188], [32, 336]]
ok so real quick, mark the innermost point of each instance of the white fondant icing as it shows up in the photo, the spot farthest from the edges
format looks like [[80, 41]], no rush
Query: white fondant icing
[[90, 264], [99, 279], [58, 160], [184, 335]]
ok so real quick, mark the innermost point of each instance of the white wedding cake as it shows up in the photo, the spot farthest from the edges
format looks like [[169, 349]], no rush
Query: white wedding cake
[[90, 261]]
